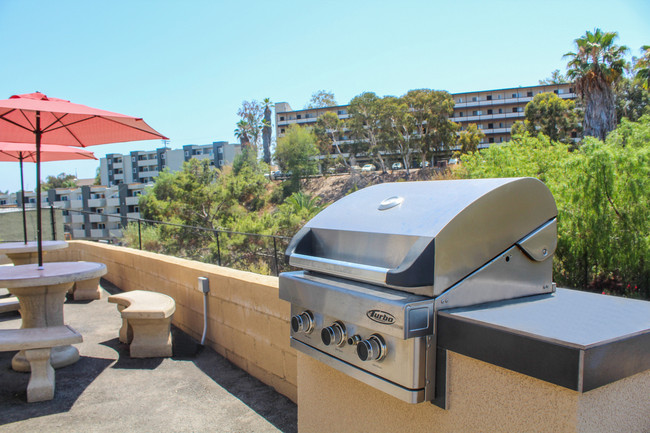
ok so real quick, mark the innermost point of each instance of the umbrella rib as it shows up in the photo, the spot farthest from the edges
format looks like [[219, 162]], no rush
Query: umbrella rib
[[17, 124], [63, 125], [108, 119]]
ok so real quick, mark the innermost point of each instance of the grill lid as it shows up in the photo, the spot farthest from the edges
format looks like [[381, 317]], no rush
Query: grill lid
[[424, 237]]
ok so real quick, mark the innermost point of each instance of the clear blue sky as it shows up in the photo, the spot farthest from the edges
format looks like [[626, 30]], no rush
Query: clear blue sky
[[186, 66]]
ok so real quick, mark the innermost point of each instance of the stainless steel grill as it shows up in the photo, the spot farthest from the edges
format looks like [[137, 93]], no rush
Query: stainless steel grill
[[379, 263]]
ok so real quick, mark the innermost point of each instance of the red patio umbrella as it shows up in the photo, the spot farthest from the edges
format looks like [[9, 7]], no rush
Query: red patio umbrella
[[36, 118], [11, 152]]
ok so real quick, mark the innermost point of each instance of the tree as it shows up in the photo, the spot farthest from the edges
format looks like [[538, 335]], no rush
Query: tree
[[602, 194], [430, 111], [266, 131], [365, 126], [470, 138], [397, 129], [295, 152], [98, 177], [632, 100], [61, 181], [241, 132], [328, 132], [252, 113], [550, 115], [596, 67], [642, 67], [321, 99], [555, 78]]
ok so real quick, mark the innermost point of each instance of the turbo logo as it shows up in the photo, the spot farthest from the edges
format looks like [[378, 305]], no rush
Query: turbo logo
[[381, 317]]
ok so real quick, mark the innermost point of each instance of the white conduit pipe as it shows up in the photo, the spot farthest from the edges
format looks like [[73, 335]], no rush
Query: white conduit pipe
[[204, 286], [205, 317]]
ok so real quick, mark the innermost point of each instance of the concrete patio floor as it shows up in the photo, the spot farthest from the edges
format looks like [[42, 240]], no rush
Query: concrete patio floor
[[106, 391]]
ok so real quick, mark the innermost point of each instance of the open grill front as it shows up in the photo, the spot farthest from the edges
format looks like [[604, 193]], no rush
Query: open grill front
[[380, 262]]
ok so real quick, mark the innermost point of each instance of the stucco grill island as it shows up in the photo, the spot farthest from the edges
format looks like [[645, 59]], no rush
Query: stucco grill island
[[395, 275]]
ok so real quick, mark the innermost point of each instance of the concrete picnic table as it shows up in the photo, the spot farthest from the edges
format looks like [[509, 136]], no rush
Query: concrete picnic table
[[21, 253], [41, 293]]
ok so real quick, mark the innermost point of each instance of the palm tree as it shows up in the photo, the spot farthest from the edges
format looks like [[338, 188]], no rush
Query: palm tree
[[266, 130], [242, 131], [595, 67]]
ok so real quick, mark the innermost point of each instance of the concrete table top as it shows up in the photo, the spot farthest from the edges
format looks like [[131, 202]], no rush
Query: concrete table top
[[52, 273], [41, 293], [21, 253], [30, 247]]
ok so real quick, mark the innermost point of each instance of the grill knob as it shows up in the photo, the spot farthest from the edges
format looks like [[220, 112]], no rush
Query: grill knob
[[334, 334], [303, 322], [372, 349]]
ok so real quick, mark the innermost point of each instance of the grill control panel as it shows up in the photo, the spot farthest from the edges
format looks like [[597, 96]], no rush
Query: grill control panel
[[365, 348]]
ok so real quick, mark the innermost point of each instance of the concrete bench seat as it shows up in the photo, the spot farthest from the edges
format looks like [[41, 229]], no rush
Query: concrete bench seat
[[37, 344], [146, 322], [9, 303]]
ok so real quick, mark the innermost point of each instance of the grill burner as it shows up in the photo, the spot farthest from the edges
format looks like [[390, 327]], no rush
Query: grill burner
[[379, 263]]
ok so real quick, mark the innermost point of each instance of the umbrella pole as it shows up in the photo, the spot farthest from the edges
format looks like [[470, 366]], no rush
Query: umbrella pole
[[39, 238], [22, 193]]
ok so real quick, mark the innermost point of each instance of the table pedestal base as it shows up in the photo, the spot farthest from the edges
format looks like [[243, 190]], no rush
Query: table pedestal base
[[40, 307], [61, 356], [23, 258]]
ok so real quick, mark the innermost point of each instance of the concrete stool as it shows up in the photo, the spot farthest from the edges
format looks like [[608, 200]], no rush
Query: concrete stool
[[146, 322], [37, 344]]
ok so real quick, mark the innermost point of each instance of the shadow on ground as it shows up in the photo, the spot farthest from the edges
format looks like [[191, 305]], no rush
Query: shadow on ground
[[71, 382]]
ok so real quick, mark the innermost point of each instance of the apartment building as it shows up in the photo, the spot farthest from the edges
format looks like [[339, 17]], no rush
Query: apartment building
[[143, 166], [493, 111], [104, 210], [89, 212]]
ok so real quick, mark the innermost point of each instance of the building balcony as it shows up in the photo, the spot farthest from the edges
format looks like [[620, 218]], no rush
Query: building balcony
[[97, 218], [98, 233], [130, 201], [78, 233], [77, 218], [75, 204], [113, 202], [97, 202], [135, 215]]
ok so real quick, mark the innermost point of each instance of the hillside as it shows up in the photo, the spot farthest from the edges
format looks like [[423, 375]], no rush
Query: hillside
[[332, 188]]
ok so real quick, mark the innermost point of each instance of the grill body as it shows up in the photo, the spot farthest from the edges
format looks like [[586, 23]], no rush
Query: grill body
[[379, 263]]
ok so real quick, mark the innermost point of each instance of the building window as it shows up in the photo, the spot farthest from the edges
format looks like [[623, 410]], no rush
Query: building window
[[477, 112], [281, 118], [460, 99], [341, 112], [555, 91], [500, 110], [479, 126], [500, 139], [298, 116], [500, 124], [281, 130], [133, 158], [474, 98], [460, 114], [490, 126], [489, 111], [498, 96], [187, 153], [220, 151], [488, 97], [491, 140], [516, 95], [570, 89], [529, 94]]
